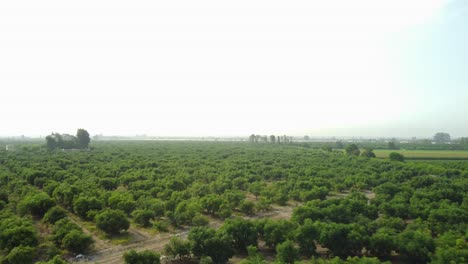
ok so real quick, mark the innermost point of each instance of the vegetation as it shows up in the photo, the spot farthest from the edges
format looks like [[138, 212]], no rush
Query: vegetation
[[66, 141], [348, 206]]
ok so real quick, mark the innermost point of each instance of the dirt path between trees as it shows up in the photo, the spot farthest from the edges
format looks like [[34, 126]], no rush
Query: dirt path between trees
[[107, 253]]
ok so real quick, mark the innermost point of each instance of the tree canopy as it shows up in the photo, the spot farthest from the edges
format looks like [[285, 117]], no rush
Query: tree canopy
[[66, 141]]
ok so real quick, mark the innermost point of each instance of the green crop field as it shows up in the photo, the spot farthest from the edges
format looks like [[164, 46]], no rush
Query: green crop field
[[425, 154]]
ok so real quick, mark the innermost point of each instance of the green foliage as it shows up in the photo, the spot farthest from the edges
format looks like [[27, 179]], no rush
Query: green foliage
[[247, 207], [207, 242], [77, 242], [276, 232], [352, 150], [177, 247], [306, 235], [54, 214], [83, 138], [82, 205], [382, 206], [16, 232], [451, 248], [415, 245], [253, 256], [287, 252], [65, 141], [200, 220], [395, 156], [36, 204], [442, 137], [55, 260], [112, 221], [122, 201], [20, 255], [392, 145], [143, 217], [144, 257], [69, 236], [343, 239], [61, 228], [243, 233], [368, 153], [382, 242]]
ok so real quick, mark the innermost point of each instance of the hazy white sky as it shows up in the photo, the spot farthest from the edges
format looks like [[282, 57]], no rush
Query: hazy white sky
[[323, 68]]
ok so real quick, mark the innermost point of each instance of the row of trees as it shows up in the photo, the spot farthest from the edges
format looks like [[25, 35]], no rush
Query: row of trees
[[167, 185], [66, 141], [270, 139]]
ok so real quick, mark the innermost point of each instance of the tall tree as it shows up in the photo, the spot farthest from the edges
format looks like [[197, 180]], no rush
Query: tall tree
[[442, 137], [83, 138], [353, 150], [272, 139]]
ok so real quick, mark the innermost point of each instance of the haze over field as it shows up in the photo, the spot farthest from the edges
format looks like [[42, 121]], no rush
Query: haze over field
[[195, 68]]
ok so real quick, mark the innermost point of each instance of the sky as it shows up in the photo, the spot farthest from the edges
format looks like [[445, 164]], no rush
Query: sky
[[232, 68]]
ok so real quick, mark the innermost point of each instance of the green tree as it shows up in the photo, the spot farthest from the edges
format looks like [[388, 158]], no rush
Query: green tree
[[392, 145], [272, 139], [327, 148], [54, 214], [219, 248], [253, 257], [122, 201], [51, 142], [306, 235], [442, 137], [200, 220], [451, 248], [112, 221], [339, 144], [36, 204], [17, 234], [256, 188], [382, 242], [144, 257], [343, 239], [247, 207], [207, 242], [77, 242], [368, 153], [61, 228], [286, 252], [415, 245], [20, 255], [82, 205], [177, 247], [197, 237], [143, 217], [395, 156], [277, 231], [83, 138], [242, 232], [352, 150]]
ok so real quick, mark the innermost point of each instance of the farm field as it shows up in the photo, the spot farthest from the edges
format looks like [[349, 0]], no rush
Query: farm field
[[425, 154], [220, 202]]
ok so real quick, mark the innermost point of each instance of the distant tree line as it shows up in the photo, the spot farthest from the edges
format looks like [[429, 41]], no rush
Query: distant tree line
[[66, 141], [270, 139]]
